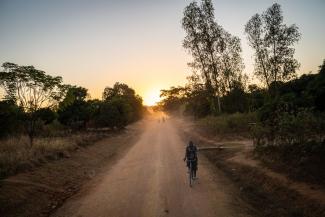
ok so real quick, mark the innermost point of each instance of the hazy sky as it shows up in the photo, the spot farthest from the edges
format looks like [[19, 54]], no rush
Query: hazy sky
[[139, 42]]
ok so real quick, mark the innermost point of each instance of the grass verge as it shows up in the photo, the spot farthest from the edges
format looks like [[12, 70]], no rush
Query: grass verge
[[16, 155], [42, 190]]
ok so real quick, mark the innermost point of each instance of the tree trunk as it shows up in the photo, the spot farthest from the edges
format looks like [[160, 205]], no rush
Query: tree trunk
[[219, 103], [31, 129]]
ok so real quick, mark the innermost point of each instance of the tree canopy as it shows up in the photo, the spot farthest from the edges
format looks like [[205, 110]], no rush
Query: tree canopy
[[216, 53], [273, 43]]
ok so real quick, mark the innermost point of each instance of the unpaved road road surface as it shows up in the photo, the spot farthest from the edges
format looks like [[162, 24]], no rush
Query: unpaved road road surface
[[150, 180]]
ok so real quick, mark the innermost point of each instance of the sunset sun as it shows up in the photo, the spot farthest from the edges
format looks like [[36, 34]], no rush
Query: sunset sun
[[151, 97]]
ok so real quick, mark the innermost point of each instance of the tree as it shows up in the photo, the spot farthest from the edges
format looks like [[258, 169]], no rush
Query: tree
[[31, 89], [255, 97], [46, 115], [215, 52], [123, 91], [196, 103], [119, 89], [73, 94], [74, 110], [11, 117], [273, 43], [231, 64], [114, 113], [236, 99], [172, 98]]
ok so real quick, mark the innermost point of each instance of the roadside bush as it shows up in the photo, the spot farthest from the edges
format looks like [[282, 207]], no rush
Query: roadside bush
[[285, 126], [11, 117], [235, 100], [46, 115], [237, 123]]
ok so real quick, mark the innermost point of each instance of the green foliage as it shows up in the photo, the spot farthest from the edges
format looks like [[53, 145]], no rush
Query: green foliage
[[237, 123], [216, 53], [235, 100], [291, 127], [198, 105], [73, 94], [273, 43], [31, 89], [46, 115], [74, 111], [11, 117], [120, 107], [118, 90], [172, 98], [115, 113], [197, 102], [39, 105], [288, 128], [75, 115]]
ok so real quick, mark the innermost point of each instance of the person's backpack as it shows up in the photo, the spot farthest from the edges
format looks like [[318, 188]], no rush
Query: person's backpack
[[191, 153]]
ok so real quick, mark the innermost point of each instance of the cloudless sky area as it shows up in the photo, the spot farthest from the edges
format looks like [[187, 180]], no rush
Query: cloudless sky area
[[95, 43]]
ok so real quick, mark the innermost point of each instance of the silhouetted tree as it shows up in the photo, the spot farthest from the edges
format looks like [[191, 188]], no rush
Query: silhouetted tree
[[74, 111], [118, 90], [31, 89], [215, 52], [114, 113], [11, 117], [121, 106], [273, 43], [46, 115], [172, 98]]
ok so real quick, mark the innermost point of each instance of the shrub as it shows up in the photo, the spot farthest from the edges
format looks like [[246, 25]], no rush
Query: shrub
[[11, 117], [239, 123], [287, 128]]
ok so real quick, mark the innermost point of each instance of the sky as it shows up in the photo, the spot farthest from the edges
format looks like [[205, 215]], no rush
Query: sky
[[95, 43]]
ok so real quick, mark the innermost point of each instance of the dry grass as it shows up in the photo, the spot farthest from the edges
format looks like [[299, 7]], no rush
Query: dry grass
[[17, 155]]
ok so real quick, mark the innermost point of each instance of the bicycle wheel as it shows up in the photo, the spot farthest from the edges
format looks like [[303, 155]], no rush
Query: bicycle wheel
[[190, 174]]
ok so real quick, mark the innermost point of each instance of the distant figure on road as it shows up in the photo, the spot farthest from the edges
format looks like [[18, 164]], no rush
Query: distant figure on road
[[191, 155]]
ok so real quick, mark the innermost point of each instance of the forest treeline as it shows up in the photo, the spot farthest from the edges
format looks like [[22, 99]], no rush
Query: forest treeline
[[283, 112], [37, 104]]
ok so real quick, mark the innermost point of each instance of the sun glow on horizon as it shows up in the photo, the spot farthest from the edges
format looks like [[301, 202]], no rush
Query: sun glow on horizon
[[152, 97]]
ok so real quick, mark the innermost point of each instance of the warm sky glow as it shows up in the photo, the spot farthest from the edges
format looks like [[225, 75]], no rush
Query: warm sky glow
[[151, 97], [139, 42]]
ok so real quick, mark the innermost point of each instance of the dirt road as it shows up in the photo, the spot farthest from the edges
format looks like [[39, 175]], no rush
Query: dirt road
[[150, 181]]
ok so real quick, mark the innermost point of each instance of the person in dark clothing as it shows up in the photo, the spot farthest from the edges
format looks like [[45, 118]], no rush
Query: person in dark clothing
[[191, 155]]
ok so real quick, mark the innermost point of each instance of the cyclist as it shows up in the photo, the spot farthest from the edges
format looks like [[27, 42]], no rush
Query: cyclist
[[191, 155]]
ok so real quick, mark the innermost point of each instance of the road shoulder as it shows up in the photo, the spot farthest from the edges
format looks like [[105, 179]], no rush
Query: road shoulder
[[41, 191]]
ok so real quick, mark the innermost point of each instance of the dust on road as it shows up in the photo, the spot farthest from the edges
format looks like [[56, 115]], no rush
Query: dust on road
[[151, 181]]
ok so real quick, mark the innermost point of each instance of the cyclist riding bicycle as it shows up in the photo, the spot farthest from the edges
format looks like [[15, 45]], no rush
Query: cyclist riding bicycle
[[191, 155]]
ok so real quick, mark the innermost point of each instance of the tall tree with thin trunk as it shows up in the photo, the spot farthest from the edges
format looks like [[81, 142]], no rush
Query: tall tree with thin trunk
[[273, 43], [193, 42], [215, 52]]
